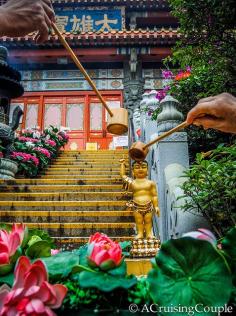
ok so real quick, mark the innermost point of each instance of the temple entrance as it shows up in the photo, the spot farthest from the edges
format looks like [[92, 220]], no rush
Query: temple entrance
[[81, 113]]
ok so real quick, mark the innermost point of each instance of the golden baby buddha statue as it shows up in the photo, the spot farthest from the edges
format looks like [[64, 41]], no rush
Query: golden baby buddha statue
[[144, 204]]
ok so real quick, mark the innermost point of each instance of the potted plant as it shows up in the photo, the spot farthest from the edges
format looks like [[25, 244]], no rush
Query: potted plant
[[8, 168]]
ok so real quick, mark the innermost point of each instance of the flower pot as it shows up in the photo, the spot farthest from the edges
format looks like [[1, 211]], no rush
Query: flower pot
[[8, 169]]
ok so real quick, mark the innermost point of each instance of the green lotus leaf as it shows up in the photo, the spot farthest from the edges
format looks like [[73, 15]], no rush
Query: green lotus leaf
[[33, 240], [6, 268], [38, 249], [229, 248], [61, 265], [190, 272], [121, 270], [7, 279], [104, 281], [229, 243]]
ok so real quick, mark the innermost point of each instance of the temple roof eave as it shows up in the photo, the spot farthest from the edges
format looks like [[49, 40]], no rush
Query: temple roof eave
[[131, 3], [108, 39]]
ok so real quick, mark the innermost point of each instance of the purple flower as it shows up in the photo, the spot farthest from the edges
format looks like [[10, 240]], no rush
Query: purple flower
[[166, 88], [189, 68], [161, 94], [167, 74]]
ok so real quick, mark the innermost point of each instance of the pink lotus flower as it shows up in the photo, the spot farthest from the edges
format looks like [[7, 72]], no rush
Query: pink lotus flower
[[204, 234], [9, 244], [54, 252], [31, 294], [20, 229], [103, 252]]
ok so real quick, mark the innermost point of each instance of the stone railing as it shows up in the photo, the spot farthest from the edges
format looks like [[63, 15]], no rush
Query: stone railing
[[167, 161]]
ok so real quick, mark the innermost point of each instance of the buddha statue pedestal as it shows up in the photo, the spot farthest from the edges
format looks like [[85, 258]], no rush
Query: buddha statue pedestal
[[143, 248]]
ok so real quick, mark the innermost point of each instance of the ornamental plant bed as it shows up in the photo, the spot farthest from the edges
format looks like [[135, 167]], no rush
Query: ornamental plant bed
[[92, 279], [35, 150]]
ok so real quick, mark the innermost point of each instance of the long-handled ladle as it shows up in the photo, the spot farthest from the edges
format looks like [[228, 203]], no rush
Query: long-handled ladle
[[138, 151], [118, 120]]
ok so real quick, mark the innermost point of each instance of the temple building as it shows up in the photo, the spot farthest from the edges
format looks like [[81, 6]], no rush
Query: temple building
[[121, 43]]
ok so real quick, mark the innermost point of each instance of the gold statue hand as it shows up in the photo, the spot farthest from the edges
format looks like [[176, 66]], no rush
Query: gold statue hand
[[122, 160], [157, 211]]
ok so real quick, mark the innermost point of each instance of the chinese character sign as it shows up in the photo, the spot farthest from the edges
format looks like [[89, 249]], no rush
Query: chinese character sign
[[78, 21]]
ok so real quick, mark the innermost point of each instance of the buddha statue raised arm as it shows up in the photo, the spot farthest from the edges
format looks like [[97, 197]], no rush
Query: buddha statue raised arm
[[145, 200]]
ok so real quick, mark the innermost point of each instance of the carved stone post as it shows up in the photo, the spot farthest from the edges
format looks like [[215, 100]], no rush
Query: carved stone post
[[136, 122], [133, 86], [152, 105], [171, 150], [143, 105]]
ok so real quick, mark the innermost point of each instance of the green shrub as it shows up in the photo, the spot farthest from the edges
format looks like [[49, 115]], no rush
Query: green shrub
[[211, 188]]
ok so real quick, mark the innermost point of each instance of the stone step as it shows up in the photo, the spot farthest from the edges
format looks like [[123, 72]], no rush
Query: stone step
[[64, 196], [81, 176], [84, 229], [85, 168], [83, 164], [64, 181], [80, 172], [60, 188], [63, 205], [96, 155], [90, 160], [66, 216], [94, 152]]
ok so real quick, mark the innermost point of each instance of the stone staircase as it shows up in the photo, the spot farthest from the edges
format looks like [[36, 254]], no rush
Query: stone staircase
[[79, 194]]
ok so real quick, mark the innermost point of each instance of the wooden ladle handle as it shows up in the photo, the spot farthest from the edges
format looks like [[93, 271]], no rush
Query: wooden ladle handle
[[164, 135], [81, 68]]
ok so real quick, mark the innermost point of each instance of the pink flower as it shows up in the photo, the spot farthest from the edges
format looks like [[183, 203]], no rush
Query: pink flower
[[43, 151], [28, 139], [25, 157], [161, 94], [138, 132], [103, 252], [167, 74], [9, 244], [31, 294], [51, 142], [1, 155], [63, 135], [204, 234], [20, 229], [54, 252]]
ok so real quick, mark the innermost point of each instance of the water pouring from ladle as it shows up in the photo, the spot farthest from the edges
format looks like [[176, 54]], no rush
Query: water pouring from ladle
[[118, 118]]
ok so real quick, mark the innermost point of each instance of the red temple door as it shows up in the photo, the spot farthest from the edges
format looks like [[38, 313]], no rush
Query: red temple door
[[98, 121], [82, 114], [69, 112]]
